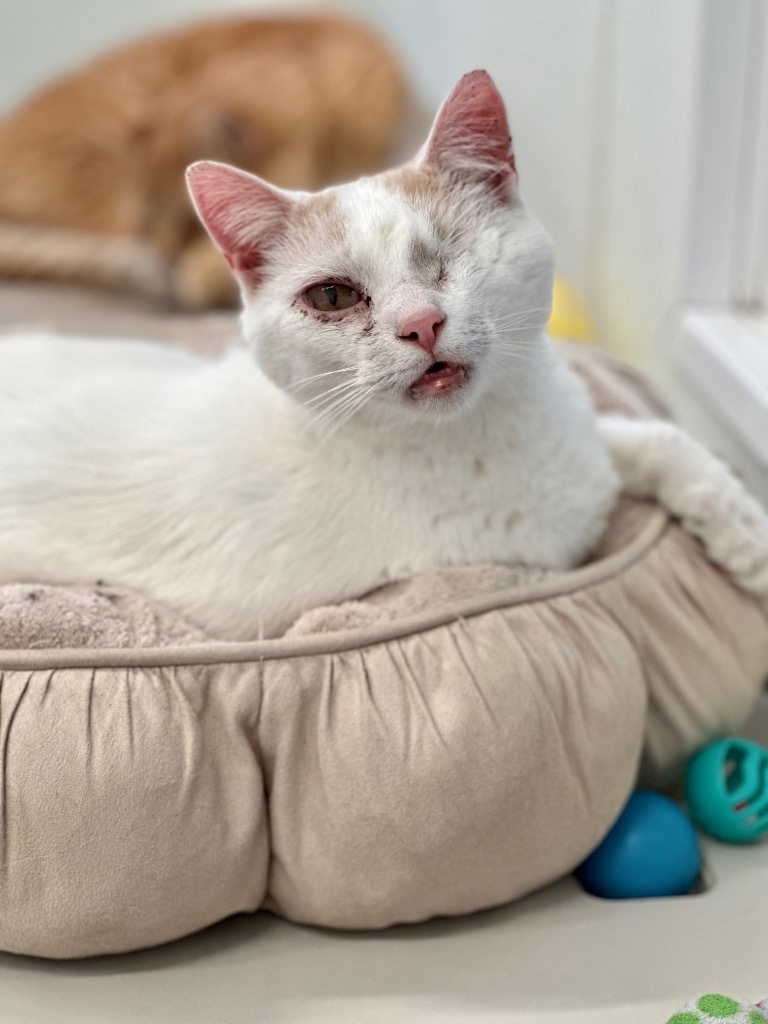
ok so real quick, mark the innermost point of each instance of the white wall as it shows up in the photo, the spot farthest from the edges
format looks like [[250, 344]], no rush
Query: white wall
[[604, 101], [644, 175]]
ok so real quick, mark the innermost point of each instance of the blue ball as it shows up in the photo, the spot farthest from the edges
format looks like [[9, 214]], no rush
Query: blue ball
[[652, 850]]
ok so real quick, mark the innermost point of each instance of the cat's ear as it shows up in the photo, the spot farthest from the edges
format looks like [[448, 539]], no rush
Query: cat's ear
[[470, 136], [242, 214]]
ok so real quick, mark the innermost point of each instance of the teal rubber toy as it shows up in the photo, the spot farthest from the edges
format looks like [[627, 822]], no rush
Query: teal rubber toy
[[726, 789]]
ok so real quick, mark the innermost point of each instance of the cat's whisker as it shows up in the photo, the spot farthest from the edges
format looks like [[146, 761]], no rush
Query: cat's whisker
[[336, 409], [304, 381], [532, 328], [520, 316], [517, 352], [336, 405], [520, 325], [518, 322], [529, 310], [516, 336], [523, 324], [325, 411], [319, 400], [349, 411], [531, 341], [324, 402], [511, 346], [328, 416]]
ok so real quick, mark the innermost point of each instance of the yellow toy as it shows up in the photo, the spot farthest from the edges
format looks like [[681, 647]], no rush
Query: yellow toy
[[570, 317]]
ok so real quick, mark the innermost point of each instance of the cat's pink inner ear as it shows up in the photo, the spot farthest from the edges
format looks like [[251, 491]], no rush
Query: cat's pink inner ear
[[242, 214], [470, 136]]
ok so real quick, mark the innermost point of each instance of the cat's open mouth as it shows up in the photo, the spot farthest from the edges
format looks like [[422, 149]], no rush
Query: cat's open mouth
[[440, 379]]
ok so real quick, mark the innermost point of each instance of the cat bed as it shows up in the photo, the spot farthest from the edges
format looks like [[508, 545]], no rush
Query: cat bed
[[446, 744]]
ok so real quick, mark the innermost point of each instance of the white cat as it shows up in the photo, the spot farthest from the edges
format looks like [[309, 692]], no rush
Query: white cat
[[404, 409]]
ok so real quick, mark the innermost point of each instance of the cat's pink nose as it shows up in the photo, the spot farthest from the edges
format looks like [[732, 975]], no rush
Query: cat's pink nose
[[421, 327]]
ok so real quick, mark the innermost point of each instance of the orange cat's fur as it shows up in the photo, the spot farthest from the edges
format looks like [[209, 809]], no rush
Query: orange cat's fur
[[92, 167]]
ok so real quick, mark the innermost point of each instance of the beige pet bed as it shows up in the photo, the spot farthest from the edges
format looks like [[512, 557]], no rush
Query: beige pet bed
[[448, 744]]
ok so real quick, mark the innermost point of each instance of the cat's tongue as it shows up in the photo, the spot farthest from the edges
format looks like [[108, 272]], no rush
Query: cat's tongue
[[440, 379]]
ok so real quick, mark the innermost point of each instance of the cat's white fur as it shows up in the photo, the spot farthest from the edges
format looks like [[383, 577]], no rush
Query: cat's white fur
[[245, 490], [206, 487]]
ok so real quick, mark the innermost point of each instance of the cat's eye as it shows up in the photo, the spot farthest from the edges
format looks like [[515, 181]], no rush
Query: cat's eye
[[330, 297]]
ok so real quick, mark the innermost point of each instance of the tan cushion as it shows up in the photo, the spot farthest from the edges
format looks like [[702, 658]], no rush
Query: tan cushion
[[423, 764], [431, 766]]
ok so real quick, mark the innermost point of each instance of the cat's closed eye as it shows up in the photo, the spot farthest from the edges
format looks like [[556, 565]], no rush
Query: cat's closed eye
[[330, 297]]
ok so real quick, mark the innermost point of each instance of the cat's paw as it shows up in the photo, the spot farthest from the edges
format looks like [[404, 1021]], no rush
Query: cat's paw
[[201, 278], [658, 460], [733, 529]]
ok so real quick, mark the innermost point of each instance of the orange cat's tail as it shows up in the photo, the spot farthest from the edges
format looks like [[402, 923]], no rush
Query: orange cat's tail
[[34, 252]]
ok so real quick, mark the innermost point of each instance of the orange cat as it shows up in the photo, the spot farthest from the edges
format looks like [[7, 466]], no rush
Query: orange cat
[[92, 167]]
